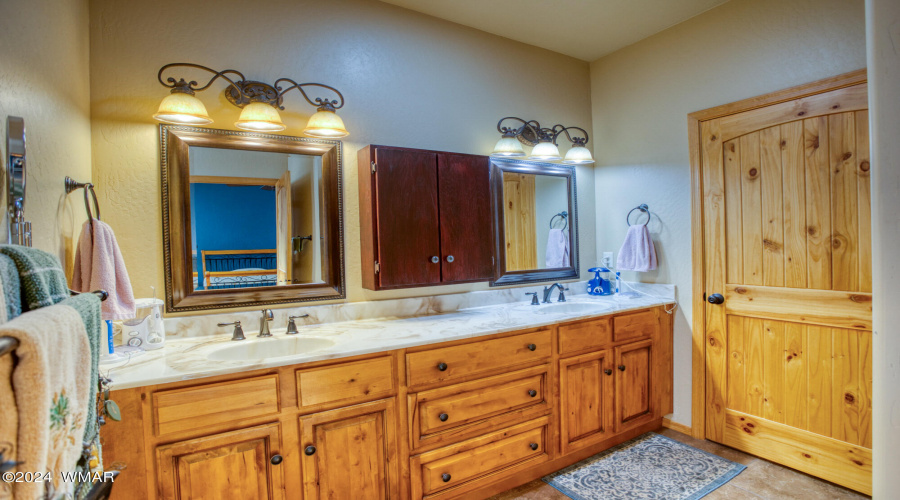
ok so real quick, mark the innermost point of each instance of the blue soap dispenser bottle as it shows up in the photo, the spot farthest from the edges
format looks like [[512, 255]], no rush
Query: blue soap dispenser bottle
[[594, 285]]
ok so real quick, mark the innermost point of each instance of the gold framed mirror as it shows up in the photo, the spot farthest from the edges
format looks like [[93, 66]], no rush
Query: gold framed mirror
[[250, 219], [535, 221]]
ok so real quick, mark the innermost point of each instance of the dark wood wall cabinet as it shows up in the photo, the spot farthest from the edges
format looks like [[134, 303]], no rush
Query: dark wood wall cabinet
[[424, 217]]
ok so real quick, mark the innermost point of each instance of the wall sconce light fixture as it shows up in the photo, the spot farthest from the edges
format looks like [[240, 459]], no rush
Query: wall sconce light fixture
[[259, 101], [544, 140]]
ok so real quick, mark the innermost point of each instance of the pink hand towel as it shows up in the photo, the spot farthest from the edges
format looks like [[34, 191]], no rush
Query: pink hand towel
[[557, 254], [99, 266], [637, 252]]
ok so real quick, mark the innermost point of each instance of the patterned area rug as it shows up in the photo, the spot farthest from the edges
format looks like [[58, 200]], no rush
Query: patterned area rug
[[651, 467]]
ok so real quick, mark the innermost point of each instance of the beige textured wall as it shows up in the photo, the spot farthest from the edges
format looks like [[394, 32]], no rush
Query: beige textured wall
[[883, 31], [45, 80], [641, 97], [409, 80]]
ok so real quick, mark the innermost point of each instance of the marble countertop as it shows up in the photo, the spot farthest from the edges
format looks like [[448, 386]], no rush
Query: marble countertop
[[193, 357]]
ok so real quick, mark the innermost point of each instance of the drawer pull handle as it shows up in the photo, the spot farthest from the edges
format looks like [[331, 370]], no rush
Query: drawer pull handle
[[276, 459], [534, 446], [532, 392], [445, 477], [531, 347], [607, 371], [443, 417], [442, 366], [621, 368], [310, 450]]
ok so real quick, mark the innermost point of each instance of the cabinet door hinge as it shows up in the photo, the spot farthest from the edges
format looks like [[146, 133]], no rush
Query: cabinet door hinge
[[377, 267], [374, 167]]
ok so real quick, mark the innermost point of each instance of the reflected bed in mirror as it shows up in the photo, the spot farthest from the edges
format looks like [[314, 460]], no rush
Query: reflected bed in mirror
[[250, 219], [536, 221]]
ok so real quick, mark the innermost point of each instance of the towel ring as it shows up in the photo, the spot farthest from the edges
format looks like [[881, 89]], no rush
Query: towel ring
[[72, 185], [565, 218], [643, 208]]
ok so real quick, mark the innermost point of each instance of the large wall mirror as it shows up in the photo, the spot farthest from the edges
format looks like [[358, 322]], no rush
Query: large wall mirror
[[250, 219], [535, 221]]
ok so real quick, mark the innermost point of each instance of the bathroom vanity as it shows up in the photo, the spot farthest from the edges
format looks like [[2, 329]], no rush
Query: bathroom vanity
[[458, 405]]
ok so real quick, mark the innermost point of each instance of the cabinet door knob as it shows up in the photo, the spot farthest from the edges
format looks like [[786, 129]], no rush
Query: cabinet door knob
[[435, 259], [621, 368], [607, 371], [445, 477], [310, 450], [442, 366], [715, 298], [443, 417], [450, 258], [532, 392], [276, 459], [531, 347], [534, 446]]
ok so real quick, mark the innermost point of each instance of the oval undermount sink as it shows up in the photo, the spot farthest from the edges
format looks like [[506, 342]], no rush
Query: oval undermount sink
[[571, 308], [275, 347]]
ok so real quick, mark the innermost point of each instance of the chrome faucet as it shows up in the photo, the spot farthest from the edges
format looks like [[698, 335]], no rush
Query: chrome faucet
[[238, 333], [264, 323], [292, 327], [534, 300], [549, 290]]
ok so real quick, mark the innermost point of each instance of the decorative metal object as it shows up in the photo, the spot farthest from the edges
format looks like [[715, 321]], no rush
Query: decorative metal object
[[16, 163], [530, 133]]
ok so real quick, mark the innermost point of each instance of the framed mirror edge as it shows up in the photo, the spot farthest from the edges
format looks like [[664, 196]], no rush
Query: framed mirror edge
[[510, 278], [181, 297]]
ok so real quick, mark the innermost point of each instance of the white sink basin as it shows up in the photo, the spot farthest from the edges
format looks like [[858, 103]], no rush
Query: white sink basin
[[572, 308], [274, 347]]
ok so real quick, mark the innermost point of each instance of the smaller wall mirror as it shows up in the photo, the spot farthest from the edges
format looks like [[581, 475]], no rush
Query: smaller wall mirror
[[535, 221], [250, 218]]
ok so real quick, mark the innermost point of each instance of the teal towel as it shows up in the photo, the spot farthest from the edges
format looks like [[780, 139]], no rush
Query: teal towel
[[12, 294], [43, 282]]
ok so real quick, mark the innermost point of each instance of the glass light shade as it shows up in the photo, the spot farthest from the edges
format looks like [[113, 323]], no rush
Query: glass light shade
[[260, 117], [579, 155], [545, 151], [182, 109], [326, 124], [508, 146]]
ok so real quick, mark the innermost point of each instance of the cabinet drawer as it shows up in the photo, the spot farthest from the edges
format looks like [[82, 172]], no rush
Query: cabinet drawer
[[459, 467], [471, 403], [205, 406], [584, 336], [345, 383], [453, 363], [635, 326]]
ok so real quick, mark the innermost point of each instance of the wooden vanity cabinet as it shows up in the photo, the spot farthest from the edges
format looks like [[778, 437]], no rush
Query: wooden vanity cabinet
[[425, 217]]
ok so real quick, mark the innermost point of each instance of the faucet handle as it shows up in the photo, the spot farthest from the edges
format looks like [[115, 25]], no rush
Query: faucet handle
[[562, 295], [534, 299], [238, 333], [292, 327]]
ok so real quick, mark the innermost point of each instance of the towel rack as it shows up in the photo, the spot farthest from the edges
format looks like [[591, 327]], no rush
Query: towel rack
[[72, 185], [562, 215], [9, 344], [643, 208]]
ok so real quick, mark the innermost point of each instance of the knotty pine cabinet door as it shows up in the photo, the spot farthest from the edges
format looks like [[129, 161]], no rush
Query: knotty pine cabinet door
[[425, 217], [238, 464], [635, 402], [586, 399], [351, 453]]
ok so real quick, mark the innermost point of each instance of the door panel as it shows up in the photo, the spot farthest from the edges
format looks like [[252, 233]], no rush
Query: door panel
[[586, 399], [408, 232], [519, 222], [634, 402], [788, 354], [465, 207]]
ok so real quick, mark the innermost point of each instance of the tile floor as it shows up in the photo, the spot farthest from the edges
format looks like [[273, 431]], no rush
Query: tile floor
[[761, 480]]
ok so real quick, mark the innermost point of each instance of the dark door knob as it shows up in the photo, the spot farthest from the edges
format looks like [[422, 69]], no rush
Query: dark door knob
[[531, 347], [276, 459], [621, 368], [450, 258], [435, 259], [532, 392], [534, 446], [442, 366], [607, 371], [310, 450], [443, 417], [715, 298], [445, 477]]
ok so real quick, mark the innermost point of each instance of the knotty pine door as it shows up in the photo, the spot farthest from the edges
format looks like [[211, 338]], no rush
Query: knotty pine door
[[787, 241]]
